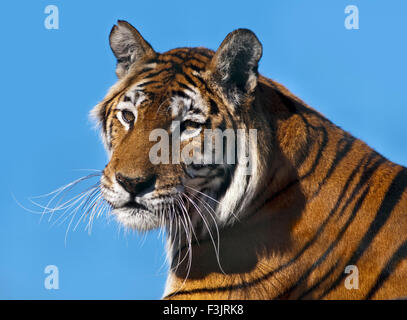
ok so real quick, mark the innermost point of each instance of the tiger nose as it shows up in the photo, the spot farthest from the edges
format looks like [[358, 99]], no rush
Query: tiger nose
[[136, 186]]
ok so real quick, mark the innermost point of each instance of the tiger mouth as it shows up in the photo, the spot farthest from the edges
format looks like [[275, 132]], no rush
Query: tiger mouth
[[134, 205], [131, 208]]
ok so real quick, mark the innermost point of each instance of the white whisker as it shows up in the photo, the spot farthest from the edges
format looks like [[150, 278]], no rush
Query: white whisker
[[89, 202]]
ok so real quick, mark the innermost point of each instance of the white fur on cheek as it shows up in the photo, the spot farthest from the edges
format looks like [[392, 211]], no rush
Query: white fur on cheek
[[241, 191]]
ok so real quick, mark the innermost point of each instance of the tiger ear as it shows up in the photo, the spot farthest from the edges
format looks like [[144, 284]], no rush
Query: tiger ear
[[128, 46], [234, 65]]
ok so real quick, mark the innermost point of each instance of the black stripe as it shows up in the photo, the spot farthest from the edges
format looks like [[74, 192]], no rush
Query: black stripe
[[183, 85], [290, 103], [144, 70], [126, 99], [301, 252], [110, 134], [147, 68], [190, 80], [214, 107], [392, 197], [369, 168], [194, 67], [180, 54], [154, 74], [320, 281], [195, 59], [103, 116], [148, 83], [322, 146], [322, 258], [106, 111], [205, 52], [189, 124], [391, 264], [303, 156], [203, 82], [344, 146], [150, 61], [180, 93], [208, 123]]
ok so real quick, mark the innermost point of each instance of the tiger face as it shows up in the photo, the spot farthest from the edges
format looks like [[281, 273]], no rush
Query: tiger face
[[157, 115]]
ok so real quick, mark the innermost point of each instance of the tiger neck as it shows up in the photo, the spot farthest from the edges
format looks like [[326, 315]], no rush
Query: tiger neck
[[252, 252]]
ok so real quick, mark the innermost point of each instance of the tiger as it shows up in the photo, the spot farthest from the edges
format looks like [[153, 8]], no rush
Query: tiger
[[319, 215]]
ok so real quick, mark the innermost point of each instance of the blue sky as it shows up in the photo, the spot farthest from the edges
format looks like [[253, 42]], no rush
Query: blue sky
[[52, 78]]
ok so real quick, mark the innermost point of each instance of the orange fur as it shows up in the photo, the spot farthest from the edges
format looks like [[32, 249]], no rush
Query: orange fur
[[327, 200], [297, 242]]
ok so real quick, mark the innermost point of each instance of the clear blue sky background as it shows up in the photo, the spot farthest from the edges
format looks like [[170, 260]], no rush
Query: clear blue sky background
[[50, 79]]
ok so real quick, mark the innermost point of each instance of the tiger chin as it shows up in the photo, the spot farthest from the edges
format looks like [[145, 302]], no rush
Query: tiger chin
[[313, 200]]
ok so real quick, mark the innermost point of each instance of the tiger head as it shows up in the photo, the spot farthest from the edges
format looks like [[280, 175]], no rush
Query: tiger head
[[163, 104]]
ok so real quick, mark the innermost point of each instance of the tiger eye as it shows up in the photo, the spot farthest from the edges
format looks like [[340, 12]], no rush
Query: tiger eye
[[128, 116]]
